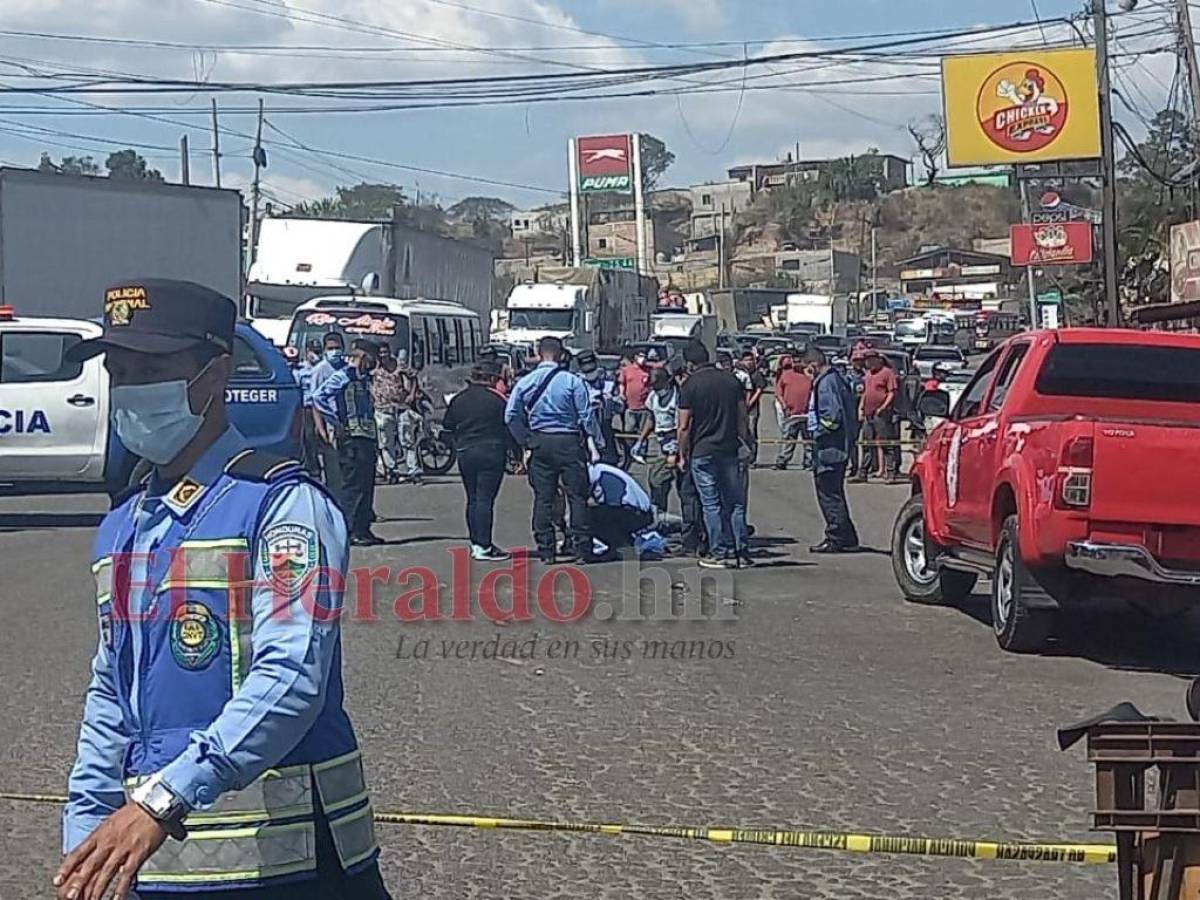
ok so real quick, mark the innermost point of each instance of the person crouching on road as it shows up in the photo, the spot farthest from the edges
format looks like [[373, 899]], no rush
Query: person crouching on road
[[622, 508], [475, 422], [832, 421], [215, 701], [346, 420], [549, 412]]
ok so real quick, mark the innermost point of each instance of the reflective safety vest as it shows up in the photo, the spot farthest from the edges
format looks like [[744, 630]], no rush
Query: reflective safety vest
[[360, 411], [196, 649]]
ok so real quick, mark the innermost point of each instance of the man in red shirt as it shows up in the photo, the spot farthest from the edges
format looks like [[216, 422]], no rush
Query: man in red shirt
[[793, 386], [633, 384], [877, 412]]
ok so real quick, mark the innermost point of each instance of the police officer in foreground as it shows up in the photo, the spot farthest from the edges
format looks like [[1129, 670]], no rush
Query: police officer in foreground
[[345, 415], [214, 710], [550, 414]]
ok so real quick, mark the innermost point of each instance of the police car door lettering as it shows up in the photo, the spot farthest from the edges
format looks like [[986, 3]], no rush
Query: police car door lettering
[[19, 421], [251, 395]]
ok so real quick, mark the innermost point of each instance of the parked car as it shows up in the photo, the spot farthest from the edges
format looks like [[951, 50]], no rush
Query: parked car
[[1066, 471], [54, 419], [948, 357]]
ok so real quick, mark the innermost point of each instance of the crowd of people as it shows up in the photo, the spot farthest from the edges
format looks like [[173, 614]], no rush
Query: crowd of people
[[573, 428]]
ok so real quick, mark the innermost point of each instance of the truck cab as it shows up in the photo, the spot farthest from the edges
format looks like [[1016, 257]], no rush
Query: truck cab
[[54, 414], [535, 311]]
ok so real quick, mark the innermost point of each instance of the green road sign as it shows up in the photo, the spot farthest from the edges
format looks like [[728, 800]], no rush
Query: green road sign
[[616, 262]]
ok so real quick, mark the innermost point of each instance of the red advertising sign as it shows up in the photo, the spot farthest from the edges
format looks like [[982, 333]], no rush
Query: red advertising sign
[[605, 163], [1052, 244]]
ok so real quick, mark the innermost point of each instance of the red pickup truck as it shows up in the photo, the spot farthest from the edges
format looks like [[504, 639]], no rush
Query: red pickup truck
[[1069, 468]]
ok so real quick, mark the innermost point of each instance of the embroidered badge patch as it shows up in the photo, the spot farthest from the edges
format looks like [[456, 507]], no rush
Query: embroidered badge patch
[[288, 552], [195, 636]]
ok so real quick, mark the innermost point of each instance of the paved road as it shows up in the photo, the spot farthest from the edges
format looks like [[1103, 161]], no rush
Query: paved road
[[835, 706]]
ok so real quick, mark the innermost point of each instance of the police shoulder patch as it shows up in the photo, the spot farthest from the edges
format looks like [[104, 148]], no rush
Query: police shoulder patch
[[195, 636], [288, 552]]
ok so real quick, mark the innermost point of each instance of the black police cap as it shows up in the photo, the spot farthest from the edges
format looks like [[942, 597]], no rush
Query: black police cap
[[160, 316]]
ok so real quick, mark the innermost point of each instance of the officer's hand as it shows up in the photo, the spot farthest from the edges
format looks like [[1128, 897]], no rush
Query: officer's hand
[[525, 457], [112, 854]]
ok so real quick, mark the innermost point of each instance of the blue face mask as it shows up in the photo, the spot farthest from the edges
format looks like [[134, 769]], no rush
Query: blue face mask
[[333, 355], [155, 421]]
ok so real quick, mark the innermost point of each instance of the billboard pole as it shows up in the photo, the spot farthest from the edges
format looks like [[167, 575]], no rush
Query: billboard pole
[[573, 177], [639, 204], [1107, 168]]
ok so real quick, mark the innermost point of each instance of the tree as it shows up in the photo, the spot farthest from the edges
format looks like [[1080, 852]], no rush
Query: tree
[[361, 201], [130, 166], [69, 165], [1146, 207], [929, 134], [656, 159], [492, 208]]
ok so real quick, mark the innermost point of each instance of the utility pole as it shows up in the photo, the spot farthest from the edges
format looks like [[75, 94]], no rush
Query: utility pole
[[573, 183], [639, 205], [185, 174], [721, 249], [1112, 296], [1188, 49], [259, 162], [1025, 217], [216, 146], [874, 273]]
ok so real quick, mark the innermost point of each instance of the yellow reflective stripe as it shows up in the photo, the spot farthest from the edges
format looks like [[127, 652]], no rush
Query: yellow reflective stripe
[[259, 831], [367, 851], [331, 808], [217, 544], [219, 877], [102, 570], [250, 815], [235, 654], [205, 564], [337, 761]]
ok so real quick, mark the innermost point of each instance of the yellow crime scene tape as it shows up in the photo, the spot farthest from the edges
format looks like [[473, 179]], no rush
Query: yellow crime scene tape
[[810, 840]]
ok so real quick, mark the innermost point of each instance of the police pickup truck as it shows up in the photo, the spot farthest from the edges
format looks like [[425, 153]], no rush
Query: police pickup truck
[[54, 421]]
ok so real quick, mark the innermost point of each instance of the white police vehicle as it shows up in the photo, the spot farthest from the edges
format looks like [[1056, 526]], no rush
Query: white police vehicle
[[54, 422]]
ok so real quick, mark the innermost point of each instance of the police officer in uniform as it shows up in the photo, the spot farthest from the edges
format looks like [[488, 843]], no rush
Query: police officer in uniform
[[214, 710], [346, 415], [550, 414]]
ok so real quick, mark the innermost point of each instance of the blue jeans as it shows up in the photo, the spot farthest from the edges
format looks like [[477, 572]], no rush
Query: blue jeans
[[724, 501]]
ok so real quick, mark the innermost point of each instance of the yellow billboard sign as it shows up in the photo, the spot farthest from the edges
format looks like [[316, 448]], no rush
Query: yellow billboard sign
[[1021, 107]]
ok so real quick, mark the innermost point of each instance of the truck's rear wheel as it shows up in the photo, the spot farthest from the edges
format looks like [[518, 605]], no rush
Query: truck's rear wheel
[[1020, 625], [915, 565]]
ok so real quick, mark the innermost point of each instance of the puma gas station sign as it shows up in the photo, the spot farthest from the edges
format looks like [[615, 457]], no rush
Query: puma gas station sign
[[605, 164]]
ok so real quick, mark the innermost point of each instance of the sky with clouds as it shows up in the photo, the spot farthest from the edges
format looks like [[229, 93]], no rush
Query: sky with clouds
[[816, 105]]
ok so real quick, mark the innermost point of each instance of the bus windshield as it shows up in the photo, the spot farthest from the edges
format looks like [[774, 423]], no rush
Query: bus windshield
[[352, 324]]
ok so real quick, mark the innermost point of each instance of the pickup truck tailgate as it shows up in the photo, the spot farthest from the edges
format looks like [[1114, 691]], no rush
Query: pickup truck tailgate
[[1147, 475]]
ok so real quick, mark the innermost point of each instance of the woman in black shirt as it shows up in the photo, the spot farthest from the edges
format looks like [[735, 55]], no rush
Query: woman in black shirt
[[475, 421]]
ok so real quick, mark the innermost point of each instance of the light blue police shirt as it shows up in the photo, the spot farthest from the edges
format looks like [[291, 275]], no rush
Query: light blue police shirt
[[280, 697], [565, 407], [326, 393], [612, 487]]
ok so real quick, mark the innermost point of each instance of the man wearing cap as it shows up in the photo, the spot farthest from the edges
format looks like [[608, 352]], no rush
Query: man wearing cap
[[606, 403], [633, 383], [346, 420], [309, 444], [333, 358], [214, 713], [877, 412]]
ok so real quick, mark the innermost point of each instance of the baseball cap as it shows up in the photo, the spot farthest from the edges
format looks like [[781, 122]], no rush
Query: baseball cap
[[586, 360], [652, 355], [160, 316]]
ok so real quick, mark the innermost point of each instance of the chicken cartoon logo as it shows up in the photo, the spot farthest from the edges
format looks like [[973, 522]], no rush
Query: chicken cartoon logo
[[1022, 107]]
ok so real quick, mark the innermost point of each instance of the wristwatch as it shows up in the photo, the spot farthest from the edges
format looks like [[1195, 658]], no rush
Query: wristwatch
[[162, 804]]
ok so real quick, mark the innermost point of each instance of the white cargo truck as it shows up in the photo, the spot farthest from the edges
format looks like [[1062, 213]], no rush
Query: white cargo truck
[[830, 313], [678, 328], [65, 238], [588, 309]]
